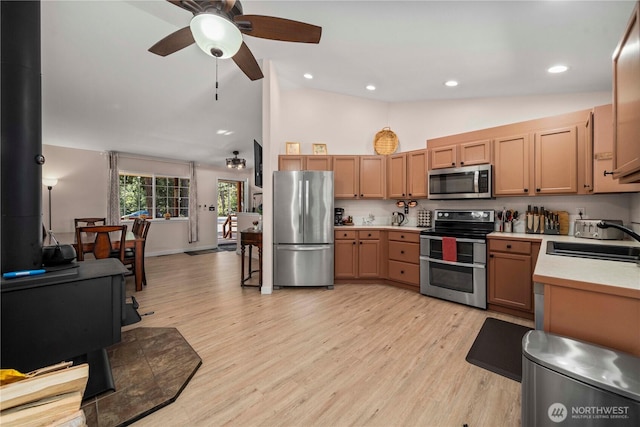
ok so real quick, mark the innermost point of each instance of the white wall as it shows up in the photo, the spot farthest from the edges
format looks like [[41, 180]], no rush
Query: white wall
[[416, 122], [82, 192]]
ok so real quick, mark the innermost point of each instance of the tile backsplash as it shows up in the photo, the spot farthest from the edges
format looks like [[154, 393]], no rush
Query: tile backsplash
[[625, 207]]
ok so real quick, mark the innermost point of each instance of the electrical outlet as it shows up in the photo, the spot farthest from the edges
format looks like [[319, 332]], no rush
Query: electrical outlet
[[581, 212]]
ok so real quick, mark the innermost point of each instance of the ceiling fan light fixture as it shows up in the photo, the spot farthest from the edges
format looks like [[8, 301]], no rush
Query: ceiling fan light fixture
[[235, 162], [216, 35]]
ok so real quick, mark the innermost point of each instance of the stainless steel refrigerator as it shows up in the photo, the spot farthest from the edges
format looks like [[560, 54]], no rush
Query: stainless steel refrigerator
[[303, 228]]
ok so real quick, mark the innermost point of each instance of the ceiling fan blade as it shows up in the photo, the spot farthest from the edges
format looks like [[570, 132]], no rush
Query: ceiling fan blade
[[228, 5], [269, 27], [199, 7], [173, 42], [247, 63]]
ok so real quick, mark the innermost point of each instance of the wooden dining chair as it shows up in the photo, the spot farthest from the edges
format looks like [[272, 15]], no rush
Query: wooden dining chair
[[102, 244], [130, 254], [89, 221]]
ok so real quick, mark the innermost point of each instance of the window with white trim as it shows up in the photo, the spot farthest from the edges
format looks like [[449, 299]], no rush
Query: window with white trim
[[153, 196]]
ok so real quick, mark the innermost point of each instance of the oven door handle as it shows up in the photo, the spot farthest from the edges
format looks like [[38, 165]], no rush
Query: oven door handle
[[459, 264], [463, 240]]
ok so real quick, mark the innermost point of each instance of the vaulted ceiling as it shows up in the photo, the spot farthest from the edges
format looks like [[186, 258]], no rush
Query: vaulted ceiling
[[102, 89]]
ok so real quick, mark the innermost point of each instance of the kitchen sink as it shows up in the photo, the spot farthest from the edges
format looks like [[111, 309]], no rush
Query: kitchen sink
[[602, 252]]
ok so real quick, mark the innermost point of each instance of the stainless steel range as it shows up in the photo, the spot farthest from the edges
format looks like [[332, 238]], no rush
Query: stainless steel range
[[453, 256]]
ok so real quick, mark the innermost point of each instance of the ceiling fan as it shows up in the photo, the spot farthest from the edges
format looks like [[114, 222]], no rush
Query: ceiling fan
[[217, 27]]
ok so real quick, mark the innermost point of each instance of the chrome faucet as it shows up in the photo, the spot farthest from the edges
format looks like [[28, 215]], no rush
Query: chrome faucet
[[604, 224]]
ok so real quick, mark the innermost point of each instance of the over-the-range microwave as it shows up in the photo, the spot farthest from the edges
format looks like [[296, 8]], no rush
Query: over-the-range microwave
[[466, 182]]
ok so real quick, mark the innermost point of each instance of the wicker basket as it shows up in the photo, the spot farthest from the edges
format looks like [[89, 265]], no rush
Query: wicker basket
[[385, 141]]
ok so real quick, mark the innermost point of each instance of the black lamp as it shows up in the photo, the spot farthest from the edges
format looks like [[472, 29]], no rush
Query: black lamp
[[235, 162], [50, 183]]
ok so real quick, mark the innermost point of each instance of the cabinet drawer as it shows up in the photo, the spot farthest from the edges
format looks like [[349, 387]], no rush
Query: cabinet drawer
[[345, 234], [403, 236], [407, 252], [369, 234], [404, 272], [512, 246]]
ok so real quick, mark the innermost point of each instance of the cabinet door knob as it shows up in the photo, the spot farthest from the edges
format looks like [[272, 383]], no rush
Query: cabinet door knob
[[402, 252], [461, 163], [607, 173], [526, 190], [402, 236], [355, 195], [401, 271], [361, 195], [453, 164], [410, 194], [508, 246], [345, 234], [490, 255], [587, 186], [354, 242], [537, 190]]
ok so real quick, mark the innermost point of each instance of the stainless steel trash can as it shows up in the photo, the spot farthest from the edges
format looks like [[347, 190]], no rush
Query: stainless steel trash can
[[566, 382]]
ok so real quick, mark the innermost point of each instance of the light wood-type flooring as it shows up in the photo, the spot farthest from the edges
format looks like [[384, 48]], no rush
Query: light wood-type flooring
[[357, 355]]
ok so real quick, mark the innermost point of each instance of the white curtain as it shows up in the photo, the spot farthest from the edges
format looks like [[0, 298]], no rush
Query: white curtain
[[193, 204], [113, 201]]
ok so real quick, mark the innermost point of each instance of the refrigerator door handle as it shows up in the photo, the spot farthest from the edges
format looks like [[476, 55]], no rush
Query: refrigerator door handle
[[306, 196], [300, 213], [297, 248]]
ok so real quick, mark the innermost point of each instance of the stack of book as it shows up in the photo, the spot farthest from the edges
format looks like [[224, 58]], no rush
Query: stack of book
[[47, 397]]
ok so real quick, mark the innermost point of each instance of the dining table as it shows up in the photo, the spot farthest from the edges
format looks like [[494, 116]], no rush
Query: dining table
[[132, 241]]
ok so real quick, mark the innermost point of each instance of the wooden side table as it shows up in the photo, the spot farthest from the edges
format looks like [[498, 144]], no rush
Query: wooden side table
[[250, 237]]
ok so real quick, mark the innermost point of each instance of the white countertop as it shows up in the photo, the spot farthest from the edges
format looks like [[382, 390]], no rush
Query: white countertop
[[617, 277], [379, 227]]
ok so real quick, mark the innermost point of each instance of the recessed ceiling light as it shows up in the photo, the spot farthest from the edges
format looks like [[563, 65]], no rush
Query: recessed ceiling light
[[451, 83], [557, 69], [371, 87], [228, 132], [308, 76], [222, 131]]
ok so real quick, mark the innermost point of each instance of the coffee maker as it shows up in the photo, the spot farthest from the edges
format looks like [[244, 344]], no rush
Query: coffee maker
[[338, 216]]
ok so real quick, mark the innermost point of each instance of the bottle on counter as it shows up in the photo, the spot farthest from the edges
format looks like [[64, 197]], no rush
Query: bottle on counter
[[536, 220], [529, 218]]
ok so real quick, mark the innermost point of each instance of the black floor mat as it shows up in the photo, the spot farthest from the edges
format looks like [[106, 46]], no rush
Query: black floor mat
[[498, 348]]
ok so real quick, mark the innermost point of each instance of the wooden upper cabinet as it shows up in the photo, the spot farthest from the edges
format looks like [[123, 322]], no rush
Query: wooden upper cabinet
[[407, 175], [372, 177], [626, 103], [319, 163], [588, 154], [475, 153], [417, 166], [397, 174], [291, 163], [602, 158], [444, 157], [299, 163], [346, 177], [511, 166], [556, 161], [463, 154]]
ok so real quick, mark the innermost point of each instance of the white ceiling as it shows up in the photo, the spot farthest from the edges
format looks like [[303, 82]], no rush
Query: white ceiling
[[102, 89]]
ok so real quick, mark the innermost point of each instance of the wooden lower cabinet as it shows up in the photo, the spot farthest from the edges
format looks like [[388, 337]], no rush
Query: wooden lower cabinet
[[404, 258], [601, 318], [510, 283], [357, 254]]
